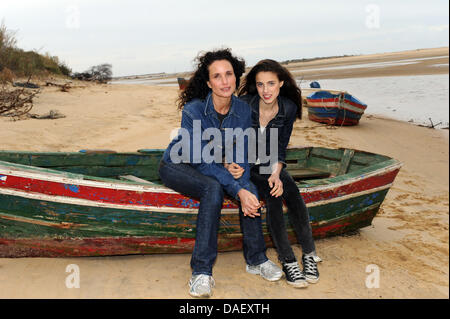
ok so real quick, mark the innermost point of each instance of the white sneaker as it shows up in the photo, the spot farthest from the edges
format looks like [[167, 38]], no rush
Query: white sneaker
[[201, 285], [268, 270]]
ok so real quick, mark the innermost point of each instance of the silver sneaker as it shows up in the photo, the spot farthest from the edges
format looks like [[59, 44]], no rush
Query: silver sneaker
[[201, 285], [268, 270]]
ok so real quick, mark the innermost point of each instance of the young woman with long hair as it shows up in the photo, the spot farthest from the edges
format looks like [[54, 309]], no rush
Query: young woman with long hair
[[275, 100]]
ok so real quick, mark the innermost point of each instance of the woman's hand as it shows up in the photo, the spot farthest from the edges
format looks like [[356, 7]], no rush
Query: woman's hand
[[249, 203], [276, 184], [235, 169]]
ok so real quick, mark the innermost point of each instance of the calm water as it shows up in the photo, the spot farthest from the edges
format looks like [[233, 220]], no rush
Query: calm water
[[406, 98], [147, 81]]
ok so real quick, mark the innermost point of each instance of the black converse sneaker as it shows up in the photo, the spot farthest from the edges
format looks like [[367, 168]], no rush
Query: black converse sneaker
[[310, 269], [294, 276]]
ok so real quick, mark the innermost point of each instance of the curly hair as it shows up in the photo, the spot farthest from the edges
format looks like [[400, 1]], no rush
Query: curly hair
[[289, 89], [197, 86]]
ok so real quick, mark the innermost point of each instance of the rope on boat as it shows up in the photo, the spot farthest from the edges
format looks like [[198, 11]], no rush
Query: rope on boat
[[341, 107]]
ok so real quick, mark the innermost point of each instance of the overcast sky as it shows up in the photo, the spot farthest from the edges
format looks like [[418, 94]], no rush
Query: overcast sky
[[139, 37]]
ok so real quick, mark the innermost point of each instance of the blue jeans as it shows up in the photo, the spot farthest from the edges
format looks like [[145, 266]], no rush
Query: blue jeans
[[185, 179]]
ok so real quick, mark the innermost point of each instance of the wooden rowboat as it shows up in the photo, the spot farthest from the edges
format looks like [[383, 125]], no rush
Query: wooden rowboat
[[334, 108], [182, 83], [107, 203]]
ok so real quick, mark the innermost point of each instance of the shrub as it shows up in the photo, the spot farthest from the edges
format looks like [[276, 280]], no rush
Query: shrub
[[101, 73], [27, 63], [6, 76]]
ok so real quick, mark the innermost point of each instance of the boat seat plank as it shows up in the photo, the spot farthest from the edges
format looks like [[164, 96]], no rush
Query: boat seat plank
[[300, 173], [345, 162]]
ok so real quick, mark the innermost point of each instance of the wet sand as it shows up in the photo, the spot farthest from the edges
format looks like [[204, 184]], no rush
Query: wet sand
[[416, 62]]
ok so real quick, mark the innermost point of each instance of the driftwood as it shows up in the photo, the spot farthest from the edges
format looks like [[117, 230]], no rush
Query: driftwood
[[432, 124], [16, 102], [64, 87], [53, 114], [27, 85]]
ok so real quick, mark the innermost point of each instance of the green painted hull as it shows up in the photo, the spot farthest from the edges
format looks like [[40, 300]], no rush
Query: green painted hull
[[48, 216]]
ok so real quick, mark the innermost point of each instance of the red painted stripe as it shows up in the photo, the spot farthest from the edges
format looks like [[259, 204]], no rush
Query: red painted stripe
[[333, 120], [323, 231], [328, 106], [333, 103], [107, 246], [356, 187], [93, 246], [153, 198], [360, 106], [322, 100], [319, 103], [103, 195]]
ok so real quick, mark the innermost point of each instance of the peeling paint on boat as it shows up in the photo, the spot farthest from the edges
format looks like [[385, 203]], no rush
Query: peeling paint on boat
[[48, 212]]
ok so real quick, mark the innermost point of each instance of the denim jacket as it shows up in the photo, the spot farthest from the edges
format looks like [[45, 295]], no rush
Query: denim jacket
[[283, 121], [204, 115]]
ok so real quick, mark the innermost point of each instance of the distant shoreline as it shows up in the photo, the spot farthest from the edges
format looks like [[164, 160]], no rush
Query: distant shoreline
[[303, 66]]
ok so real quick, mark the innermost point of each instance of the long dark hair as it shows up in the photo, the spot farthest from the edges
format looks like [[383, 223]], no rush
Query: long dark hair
[[289, 89], [197, 86]]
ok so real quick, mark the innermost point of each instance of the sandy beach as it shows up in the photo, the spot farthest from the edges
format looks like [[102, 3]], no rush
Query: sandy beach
[[408, 241]]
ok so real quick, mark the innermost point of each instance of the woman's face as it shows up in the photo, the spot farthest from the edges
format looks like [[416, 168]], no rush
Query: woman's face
[[222, 80], [268, 86]]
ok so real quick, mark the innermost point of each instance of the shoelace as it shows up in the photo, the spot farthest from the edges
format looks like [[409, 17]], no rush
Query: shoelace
[[203, 280], [294, 271], [309, 265]]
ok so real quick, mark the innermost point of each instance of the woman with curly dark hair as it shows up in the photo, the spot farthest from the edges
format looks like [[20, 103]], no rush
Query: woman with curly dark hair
[[197, 86], [276, 103], [209, 105]]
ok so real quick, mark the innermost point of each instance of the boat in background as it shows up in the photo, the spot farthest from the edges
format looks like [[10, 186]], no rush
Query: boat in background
[[100, 203], [182, 83], [334, 107]]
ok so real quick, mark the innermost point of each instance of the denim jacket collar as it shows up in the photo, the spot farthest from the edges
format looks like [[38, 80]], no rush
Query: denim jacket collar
[[209, 106], [254, 103]]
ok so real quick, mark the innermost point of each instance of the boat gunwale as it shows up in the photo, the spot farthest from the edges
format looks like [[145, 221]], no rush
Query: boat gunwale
[[325, 183]]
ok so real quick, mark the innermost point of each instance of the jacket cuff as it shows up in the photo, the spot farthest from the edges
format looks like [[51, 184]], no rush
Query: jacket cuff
[[233, 190], [282, 162]]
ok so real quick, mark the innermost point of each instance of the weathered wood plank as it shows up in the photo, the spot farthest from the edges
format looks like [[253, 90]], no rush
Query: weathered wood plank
[[298, 154], [301, 173], [324, 165], [345, 162], [80, 159], [364, 158], [326, 153]]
